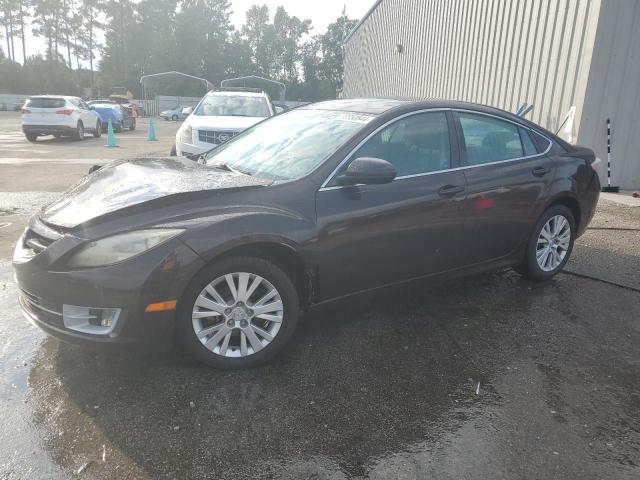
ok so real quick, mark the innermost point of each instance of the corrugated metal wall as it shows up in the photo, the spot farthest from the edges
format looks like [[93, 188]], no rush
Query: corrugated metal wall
[[495, 52], [613, 91]]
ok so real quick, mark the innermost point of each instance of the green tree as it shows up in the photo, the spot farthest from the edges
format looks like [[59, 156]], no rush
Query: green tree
[[332, 65], [87, 35]]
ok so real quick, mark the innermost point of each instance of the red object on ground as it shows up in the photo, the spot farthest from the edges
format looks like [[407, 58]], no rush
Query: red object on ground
[[635, 194]]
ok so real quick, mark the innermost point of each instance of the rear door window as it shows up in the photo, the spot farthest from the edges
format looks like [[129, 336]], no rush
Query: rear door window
[[488, 139], [45, 103]]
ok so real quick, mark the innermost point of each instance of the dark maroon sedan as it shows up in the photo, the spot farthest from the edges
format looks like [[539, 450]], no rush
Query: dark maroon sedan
[[321, 202]]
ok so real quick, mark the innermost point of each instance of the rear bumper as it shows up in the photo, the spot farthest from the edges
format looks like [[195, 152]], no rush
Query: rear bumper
[[589, 203], [48, 129]]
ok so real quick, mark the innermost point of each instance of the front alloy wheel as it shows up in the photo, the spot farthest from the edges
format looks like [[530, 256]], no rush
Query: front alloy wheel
[[238, 312]]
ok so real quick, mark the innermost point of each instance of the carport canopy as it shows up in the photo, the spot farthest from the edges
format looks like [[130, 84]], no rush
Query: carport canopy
[[154, 78], [255, 81]]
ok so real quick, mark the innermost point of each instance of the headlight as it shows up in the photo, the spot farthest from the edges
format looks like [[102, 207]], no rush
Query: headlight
[[186, 134], [114, 249]]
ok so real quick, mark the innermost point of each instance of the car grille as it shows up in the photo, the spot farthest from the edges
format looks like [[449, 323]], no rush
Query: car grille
[[214, 136], [36, 307]]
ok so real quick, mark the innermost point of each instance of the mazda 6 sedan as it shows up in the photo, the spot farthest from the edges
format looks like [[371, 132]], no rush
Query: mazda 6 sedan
[[325, 201]]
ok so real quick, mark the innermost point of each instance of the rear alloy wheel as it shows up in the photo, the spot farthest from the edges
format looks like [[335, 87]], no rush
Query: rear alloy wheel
[[238, 313], [550, 244], [79, 131], [98, 131]]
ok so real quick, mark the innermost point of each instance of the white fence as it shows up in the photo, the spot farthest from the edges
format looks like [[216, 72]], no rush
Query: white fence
[[151, 107], [8, 100], [164, 102]]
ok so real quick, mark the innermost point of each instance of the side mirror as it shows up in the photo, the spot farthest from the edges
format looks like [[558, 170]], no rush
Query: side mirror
[[367, 171]]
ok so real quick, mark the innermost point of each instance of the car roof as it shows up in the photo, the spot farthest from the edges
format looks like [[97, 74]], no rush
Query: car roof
[[62, 97], [378, 106], [234, 93], [373, 106]]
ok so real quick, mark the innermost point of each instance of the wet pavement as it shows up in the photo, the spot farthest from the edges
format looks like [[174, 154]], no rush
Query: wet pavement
[[486, 377]]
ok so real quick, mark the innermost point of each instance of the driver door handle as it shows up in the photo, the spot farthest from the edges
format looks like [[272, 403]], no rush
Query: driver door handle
[[540, 171], [450, 190]]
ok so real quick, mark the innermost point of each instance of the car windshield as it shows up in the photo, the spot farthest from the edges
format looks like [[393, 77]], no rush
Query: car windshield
[[233, 106], [290, 145]]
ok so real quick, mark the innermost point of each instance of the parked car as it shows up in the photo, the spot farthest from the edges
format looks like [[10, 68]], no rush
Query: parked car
[[60, 116], [174, 114], [219, 116], [120, 118], [315, 204], [123, 100]]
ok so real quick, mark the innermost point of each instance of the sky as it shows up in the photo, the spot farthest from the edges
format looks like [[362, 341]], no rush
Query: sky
[[320, 12]]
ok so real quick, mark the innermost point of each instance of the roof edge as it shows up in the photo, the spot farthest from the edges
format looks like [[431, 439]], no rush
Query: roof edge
[[362, 20]]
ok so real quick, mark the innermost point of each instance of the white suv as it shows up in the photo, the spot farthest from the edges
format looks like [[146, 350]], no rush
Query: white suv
[[59, 116], [219, 116]]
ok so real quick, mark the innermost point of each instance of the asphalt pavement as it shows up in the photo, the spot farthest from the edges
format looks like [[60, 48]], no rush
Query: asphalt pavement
[[484, 377]]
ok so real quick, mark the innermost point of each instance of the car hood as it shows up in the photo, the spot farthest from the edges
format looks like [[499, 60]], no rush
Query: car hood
[[125, 183], [223, 123]]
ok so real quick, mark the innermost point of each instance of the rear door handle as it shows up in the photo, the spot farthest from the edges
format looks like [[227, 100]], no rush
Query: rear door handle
[[540, 171], [450, 190]]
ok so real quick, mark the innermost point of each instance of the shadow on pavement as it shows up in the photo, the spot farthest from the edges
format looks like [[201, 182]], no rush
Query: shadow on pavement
[[382, 386]]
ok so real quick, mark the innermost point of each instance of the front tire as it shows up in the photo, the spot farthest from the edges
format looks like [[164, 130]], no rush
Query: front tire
[[173, 151], [32, 137], [238, 312], [98, 130], [550, 244], [174, 118]]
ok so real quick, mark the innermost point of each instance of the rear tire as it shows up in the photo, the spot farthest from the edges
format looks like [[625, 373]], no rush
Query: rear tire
[[238, 353], [173, 152], [97, 133], [550, 244], [174, 117], [79, 135], [32, 137]]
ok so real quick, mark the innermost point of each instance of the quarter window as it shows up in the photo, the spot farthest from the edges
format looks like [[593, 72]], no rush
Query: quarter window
[[415, 144], [543, 143], [527, 143], [488, 139]]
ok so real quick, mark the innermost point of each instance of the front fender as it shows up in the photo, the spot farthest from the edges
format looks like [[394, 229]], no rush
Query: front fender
[[214, 236]]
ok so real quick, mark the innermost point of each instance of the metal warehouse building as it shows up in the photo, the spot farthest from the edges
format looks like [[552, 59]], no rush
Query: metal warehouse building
[[553, 54]]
